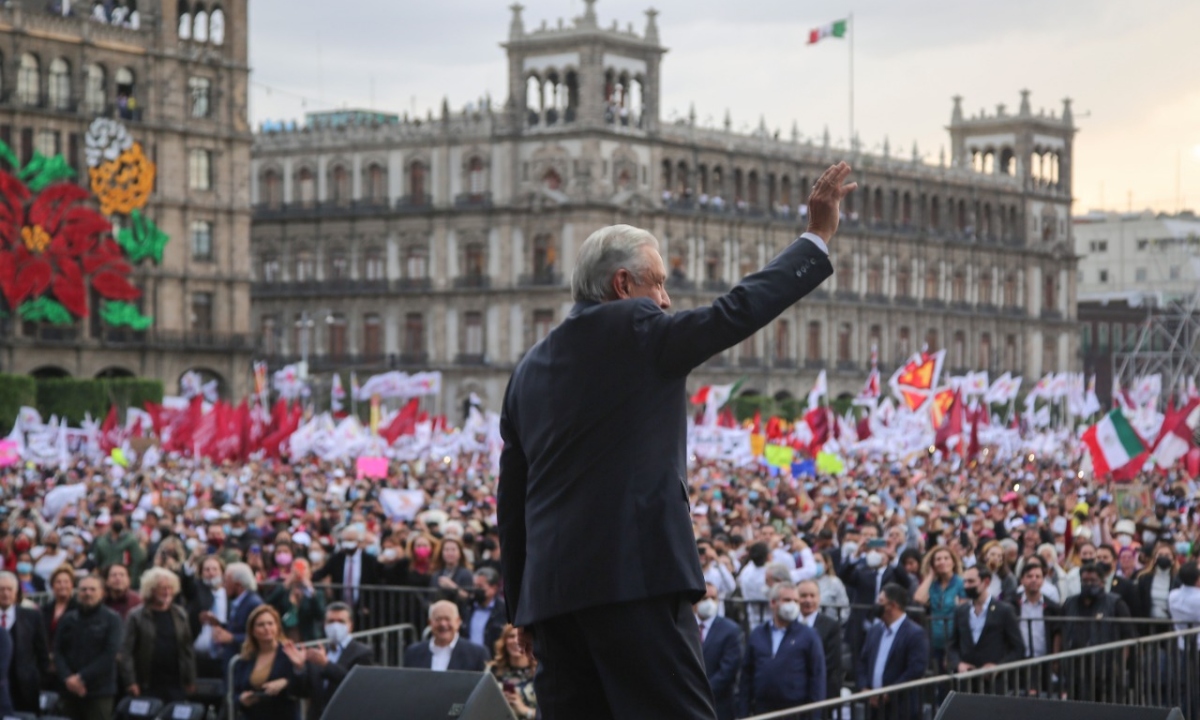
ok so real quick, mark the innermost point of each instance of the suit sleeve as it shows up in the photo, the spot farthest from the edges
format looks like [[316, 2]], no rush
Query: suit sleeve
[[239, 633], [746, 690], [1014, 644], [106, 656], [731, 657], [834, 672], [953, 657], [41, 646], [917, 659], [682, 341], [863, 664], [816, 669], [510, 509]]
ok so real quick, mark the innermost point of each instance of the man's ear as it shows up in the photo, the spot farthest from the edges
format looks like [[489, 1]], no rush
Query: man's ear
[[621, 282]]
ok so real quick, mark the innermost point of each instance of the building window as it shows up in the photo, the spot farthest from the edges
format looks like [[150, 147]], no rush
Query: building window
[[1010, 294], [474, 261], [373, 265], [1103, 276], [1085, 338], [216, 27], [958, 350], [985, 351], [47, 143], [416, 263], [476, 177], [845, 338], [372, 345], [269, 270], [544, 255], [60, 84], [845, 274], [271, 190], [337, 336], [202, 312], [202, 240], [200, 26], [200, 91], [127, 103], [306, 267], [903, 344], [306, 181], [416, 183], [473, 333], [414, 335], [985, 287], [270, 335], [931, 339], [903, 282], [874, 280], [543, 320], [339, 266], [376, 183], [200, 169], [958, 288], [783, 340], [95, 94], [1102, 337], [185, 21], [932, 283], [339, 185], [813, 351], [1050, 292], [1118, 342], [29, 80]]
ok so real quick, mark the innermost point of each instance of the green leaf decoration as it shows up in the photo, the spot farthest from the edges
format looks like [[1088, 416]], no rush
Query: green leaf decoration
[[142, 239], [122, 313], [8, 156], [45, 309], [43, 171]]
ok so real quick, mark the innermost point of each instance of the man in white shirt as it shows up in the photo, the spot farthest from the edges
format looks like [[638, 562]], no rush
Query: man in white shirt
[[445, 650], [209, 611], [716, 574], [1184, 601]]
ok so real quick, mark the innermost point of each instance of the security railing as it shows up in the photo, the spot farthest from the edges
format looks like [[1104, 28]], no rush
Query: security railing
[[378, 605]]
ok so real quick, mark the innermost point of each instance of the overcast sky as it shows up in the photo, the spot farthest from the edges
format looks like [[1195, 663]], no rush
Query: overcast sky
[[1131, 69]]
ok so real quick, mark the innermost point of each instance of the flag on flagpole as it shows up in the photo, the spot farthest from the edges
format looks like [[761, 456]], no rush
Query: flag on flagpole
[[835, 29], [1113, 443], [336, 394], [820, 389]]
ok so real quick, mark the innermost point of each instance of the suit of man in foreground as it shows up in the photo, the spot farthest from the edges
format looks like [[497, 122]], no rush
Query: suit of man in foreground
[[896, 651], [599, 558], [721, 640]]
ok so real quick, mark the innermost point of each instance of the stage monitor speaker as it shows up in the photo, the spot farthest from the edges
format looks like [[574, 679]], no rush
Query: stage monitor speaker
[[377, 693], [972, 707]]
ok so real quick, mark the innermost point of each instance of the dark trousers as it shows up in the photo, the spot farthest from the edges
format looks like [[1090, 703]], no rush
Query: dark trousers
[[640, 659], [89, 708]]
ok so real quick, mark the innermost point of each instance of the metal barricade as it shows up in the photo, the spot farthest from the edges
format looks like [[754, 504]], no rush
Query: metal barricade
[[376, 605]]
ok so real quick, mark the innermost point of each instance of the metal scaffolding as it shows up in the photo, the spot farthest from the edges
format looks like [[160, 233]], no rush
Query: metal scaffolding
[[1168, 344]]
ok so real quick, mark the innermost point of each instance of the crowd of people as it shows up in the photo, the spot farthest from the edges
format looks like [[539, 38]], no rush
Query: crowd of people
[[151, 583]]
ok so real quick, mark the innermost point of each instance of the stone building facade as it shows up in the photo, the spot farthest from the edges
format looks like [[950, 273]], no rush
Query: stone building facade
[[175, 73], [447, 242]]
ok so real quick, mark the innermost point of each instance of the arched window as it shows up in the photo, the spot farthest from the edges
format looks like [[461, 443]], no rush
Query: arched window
[[752, 188], [476, 177], [813, 351], [127, 106], [200, 26], [958, 350], [269, 270], [552, 180], [306, 267], [416, 183], [416, 262], [216, 27], [29, 79], [372, 340], [374, 264], [985, 352], [339, 185], [376, 183], [271, 189], [95, 95], [306, 182], [903, 344], [933, 282], [903, 281], [545, 255], [935, 214], [958, 287], [985, 287], [337, 266], [337, 336], [185, 21], [60, 84]]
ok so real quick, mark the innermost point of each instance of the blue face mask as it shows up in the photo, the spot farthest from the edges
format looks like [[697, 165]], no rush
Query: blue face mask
[[920, 521], [753, 495], [717, 495], [24, 568], [1183, 547], [820, 570]]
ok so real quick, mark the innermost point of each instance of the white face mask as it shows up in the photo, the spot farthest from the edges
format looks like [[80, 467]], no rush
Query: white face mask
[[349, 545], [1124, 540], [874, 559], [706, 608], [848, 549], [336, 633], [789, 611]]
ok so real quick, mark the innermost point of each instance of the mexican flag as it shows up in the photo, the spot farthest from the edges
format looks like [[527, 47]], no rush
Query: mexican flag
[[713, 398], [836, 29], [1113, 443]]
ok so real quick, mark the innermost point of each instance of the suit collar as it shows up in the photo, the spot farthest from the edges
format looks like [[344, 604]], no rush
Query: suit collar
[[582, 306]]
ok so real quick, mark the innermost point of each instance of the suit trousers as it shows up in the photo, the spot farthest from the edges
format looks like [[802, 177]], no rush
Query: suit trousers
[[89, 708], [638, 659]]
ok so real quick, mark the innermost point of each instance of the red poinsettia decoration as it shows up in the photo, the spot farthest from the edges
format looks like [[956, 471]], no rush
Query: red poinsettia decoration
[[52, 242]]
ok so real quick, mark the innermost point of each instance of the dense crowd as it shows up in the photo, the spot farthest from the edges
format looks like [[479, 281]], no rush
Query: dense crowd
[[152, 583]]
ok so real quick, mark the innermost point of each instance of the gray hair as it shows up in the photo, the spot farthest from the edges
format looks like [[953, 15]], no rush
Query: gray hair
[[778, 588], [241, 574], [444, 604], [778, 572], [6, 575], [606, 251], [156, 576]]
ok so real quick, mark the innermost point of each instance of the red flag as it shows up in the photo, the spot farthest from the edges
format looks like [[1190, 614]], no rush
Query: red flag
[[110, 434], [953, 424], [818, 422], [757, 428], [405, 422], [973, 446], [774, 428], [864, 427]]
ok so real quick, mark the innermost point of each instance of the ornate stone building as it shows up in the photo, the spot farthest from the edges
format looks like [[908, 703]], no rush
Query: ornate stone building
[[174, 74], [446, 242]]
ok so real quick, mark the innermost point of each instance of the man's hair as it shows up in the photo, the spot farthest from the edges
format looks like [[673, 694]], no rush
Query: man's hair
[[895, 594], [1108, 546], [1189, 574], [6, 575], [490, 575], [108, 571], [445, 604], [1090, 568], [779, 572], [606, 251], [242, 575], [339, 606], [154, 577], [984, 573], [778, 588], [814, 585], [1033, 563]]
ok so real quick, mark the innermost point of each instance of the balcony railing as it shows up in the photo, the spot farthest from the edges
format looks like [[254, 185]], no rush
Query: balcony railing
[[470, 359], [933, 303], [750, 362], [716, 286], [473, 200], [480, 282], [1051, 314], [814, 364], [784, 363], [847, 366], [414, 203], [411, 285], [681, 284], [540, 279]]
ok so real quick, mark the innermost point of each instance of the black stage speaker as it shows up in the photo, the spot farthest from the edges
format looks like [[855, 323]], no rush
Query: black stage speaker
[[377, 693], [974, 707]]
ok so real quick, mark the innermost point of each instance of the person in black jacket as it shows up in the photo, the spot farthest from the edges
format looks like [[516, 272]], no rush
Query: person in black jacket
[[1153, 586], [830, 632], [595, 529], [1106, 563], [350, 568], [721, 640], [486, 614], [85, 654], [326, 666], [1040, 621], [31, 653], [985, 631]]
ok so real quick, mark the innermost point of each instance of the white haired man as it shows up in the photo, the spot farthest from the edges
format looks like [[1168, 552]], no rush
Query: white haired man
[[445, 650], [593, 509]]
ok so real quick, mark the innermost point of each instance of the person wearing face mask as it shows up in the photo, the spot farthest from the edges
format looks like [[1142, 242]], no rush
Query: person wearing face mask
[[1106, 563], [117, 546], [486, 614], [206, 612], [896, 651], [323, 667], [301, 609], [420, 560], [49, 556], [1154, 585], [835, 602], [985, 632], [784, 664], [1091, 610], [721, 643], [351, 568], [864, 579]]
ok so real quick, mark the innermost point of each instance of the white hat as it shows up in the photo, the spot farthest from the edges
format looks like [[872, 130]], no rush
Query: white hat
[[1124, 527]]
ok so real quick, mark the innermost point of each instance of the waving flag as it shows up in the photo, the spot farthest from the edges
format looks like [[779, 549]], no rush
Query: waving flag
[[835, 29], [820, 389], [1113, 443], [336, 394], [914, 381]]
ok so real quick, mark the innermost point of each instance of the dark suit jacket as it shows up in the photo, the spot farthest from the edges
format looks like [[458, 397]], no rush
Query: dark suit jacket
[[236, 625], [284, 706], [1000, 641], [201, 601], [6, 661], [830, 632], [465, 656], [1126, 590], [722, 657], [593, 501], [795, 675], [497, 619], [906, 661], [1142, 586], [31, 659], [370, 571], [320, 683]]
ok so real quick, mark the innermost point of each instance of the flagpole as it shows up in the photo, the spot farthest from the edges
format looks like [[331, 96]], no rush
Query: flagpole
[[850, 32]]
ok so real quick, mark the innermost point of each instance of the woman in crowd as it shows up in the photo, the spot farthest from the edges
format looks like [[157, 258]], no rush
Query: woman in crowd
[[452, 573], [393, 561], [264, 679], [61, 601], [301, 608], [29, 582], [941, 591], [420, 560], [1004, 584], [282, 557], [49, 556], [1127, 563], [834, 599], [157, 658], [1154, 584], [514, 670]]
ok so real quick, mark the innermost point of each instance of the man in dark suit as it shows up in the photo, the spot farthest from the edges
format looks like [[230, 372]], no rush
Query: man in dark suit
[[593, 500], [206, 613], [242, 590], [1106, 563], [896, 651], [830, 632], [352, 568], [784, 665], [1040, 622], [30, 649], [721, 642], [325, 666], [985, 630], [445, 650], [486, 615], [864, 579]]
